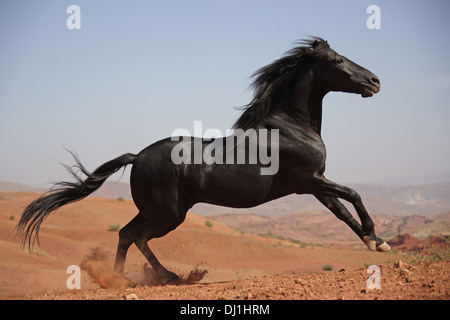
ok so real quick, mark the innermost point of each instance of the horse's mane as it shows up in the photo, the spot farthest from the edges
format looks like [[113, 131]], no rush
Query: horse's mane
[[267, 80]]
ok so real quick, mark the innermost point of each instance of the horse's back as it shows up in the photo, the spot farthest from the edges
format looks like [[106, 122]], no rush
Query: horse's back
[[156, 178]]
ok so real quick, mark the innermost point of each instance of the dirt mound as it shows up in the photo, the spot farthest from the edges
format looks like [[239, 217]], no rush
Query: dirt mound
[[408, 242], [440, 241]]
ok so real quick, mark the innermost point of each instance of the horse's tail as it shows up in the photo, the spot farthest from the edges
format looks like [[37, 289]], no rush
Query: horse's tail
[[64, 193]]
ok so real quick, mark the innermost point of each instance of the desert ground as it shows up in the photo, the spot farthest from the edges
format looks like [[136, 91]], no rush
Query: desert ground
[[214, 261]]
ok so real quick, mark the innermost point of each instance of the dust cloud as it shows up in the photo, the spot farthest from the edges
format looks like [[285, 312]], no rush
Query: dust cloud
[[98, 265]]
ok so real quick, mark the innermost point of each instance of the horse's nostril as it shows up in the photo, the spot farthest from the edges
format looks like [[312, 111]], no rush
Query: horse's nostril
[[375, 80]]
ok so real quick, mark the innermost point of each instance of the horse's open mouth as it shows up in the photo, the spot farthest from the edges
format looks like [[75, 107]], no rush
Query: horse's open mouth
[[368, 92]]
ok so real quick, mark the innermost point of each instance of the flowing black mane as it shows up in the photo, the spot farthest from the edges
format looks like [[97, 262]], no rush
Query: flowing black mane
[[269, 78]]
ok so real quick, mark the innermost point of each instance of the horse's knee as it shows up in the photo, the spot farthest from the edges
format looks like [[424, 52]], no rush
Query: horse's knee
[[123, 234], [354, 196], [125, 238]]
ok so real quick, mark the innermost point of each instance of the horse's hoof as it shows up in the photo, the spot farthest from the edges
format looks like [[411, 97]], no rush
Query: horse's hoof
[[169, 278], [371, 244], [383, 247]]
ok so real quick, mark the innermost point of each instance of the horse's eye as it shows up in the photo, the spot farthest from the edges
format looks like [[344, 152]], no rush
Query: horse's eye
[[339, 60]]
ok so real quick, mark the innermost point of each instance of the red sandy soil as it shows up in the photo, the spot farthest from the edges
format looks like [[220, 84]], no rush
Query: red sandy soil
[[402, 281], [214, 262]]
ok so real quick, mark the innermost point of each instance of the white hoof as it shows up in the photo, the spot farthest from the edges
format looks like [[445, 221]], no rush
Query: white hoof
[[371, 244], [383, 247]]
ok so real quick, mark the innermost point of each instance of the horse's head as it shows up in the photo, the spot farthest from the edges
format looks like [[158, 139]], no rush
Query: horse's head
[[339, 73], [300, 78]]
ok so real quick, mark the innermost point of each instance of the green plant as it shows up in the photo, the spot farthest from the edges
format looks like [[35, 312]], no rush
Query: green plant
[[208, 223], [327, 267], [120, 198], [114, 227]]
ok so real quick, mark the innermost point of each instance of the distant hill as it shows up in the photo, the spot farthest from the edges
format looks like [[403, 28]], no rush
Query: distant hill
[[425, 200], [109, 189], [12, 186], [114, 190], [323, 227]]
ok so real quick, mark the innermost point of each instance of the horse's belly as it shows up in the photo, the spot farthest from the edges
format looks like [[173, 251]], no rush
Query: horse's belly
[[239, 186]]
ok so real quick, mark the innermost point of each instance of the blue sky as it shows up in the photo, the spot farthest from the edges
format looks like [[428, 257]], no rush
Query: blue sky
[[138, 70]]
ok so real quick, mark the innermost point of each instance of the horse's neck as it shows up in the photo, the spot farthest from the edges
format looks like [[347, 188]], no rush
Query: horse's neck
[[315, 112], [305, 105]]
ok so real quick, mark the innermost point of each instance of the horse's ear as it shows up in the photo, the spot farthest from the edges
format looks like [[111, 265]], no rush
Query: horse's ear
[[315, 43]]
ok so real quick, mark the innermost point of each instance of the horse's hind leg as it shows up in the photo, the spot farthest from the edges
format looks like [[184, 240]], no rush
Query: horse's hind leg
[[125, 241], [139, 231], [327, 188], [164, 275], [341, 212]]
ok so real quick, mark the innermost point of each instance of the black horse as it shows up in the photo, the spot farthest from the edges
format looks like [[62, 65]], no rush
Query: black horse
[[287, 100]]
